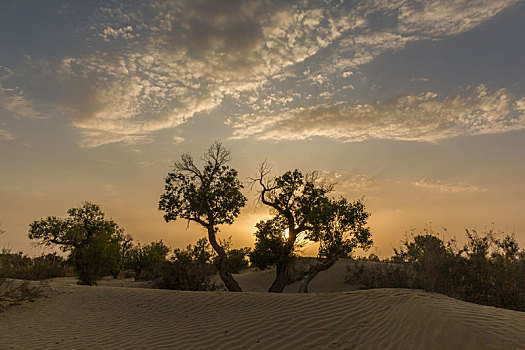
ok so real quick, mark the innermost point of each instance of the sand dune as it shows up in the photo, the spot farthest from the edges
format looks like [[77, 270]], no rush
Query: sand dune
[[114, 315], [332, 280]]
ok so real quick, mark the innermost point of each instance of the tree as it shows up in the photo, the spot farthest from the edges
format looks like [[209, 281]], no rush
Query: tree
[[92, 240], [339, 227], [293, 199], [303, 211], [210, 197]]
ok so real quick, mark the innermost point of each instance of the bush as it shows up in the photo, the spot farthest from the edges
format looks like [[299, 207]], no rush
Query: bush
[[147, 261], [189, 269], [489, 269], [19, 266], [237, 259], [14, 292]]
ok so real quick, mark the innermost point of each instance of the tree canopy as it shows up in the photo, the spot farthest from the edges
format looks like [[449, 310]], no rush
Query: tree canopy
[[92, 240]]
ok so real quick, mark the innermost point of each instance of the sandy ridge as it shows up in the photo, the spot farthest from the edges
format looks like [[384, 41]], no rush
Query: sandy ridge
[[105, 317]]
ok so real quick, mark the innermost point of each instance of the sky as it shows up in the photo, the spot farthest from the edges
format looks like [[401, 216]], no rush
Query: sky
[[415, 107]]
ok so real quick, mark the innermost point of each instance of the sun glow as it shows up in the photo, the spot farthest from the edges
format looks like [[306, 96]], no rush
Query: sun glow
[[286, 233]]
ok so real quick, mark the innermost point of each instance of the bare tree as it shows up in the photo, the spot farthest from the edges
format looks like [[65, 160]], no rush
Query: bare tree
[[210, 196]]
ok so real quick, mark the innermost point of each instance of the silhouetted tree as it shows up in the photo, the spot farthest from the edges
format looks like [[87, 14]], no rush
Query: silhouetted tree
[[339, 227], [93, 240], [293, 199], [210, 196]]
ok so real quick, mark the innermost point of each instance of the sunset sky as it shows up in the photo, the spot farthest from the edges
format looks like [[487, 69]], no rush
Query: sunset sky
[[417, 106]]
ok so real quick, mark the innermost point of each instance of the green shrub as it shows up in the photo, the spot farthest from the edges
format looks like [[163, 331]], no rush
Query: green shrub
[[147, 261], [20, 266], [238, 259], [489, 269], [189, 269]]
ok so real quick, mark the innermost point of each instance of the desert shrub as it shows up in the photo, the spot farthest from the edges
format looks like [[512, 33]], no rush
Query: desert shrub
[[372, 274], [238, 259], [147, 261], [489, 269], [189, 269], [20, 266], [14, 292]]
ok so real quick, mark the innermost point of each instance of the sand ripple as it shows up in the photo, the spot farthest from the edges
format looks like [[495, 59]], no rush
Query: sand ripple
[[104, 317]]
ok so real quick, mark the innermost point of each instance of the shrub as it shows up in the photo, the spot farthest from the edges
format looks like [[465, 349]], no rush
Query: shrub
[[237, 259], [189, 269], [489, 269], [147, 261], [19, 266], [14, 292]]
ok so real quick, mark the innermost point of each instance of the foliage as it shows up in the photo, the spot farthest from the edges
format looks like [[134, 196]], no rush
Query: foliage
[[19, 266], [126, 244], [489, 269], [339, 227], [147, 261], [270, 244], [93, 241], [189, 269], [237, 259], [210, 197]]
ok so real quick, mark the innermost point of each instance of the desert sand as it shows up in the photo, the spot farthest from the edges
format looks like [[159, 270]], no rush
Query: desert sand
[[120, 314]]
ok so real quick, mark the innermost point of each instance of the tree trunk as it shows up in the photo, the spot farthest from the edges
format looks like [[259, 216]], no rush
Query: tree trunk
[[224, 272], [280, 279], [313, 271]]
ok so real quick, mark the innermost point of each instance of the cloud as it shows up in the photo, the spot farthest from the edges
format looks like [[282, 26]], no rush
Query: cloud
[[423, 117], [13, 99], [462, 187], [6, 135], [345, 183], [167, 62], [178, 139], [109, 33], [435, 18]]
